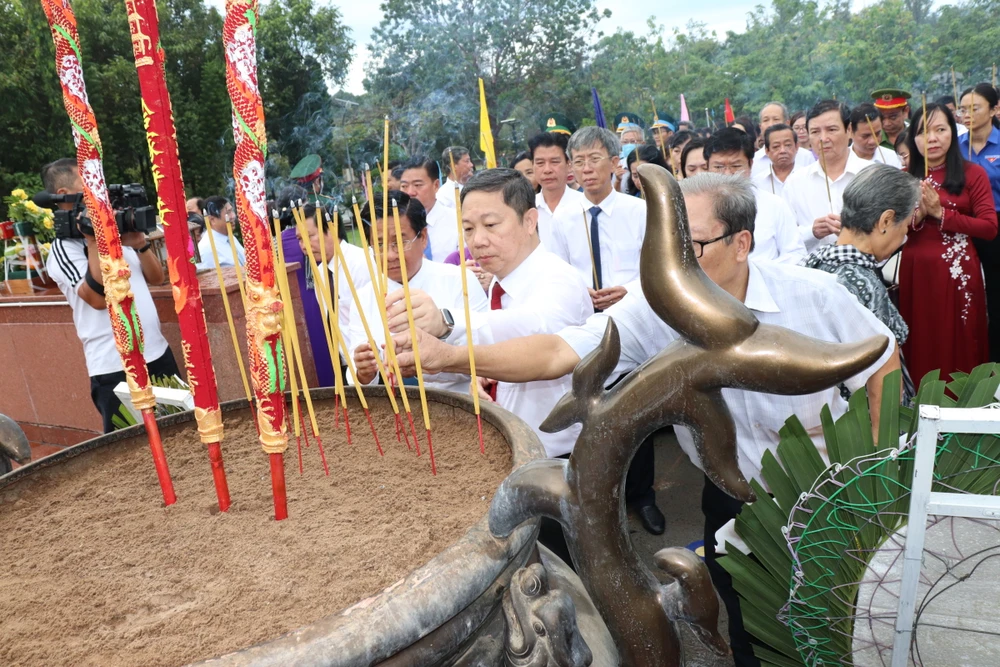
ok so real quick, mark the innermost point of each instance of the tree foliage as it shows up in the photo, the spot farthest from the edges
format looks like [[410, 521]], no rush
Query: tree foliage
[[535, 56], [302, 48]]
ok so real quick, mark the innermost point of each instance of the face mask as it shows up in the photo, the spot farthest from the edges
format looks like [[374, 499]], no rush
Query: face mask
[[626, 149]]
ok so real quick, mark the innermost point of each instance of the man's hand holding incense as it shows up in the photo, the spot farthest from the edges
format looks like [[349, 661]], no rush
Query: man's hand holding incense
[[426, 315], [826, 225], [364, 363]]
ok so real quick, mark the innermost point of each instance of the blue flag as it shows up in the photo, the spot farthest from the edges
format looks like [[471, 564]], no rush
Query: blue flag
[[598, 111]]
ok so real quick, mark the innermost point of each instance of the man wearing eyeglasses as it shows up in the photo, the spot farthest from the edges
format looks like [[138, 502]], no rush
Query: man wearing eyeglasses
[[604, 245], [776, 235], [721, 212], [435, 292]]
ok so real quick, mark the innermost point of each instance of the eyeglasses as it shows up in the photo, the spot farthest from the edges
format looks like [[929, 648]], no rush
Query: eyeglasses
[[699, 246], [393, 246], [592, 161]]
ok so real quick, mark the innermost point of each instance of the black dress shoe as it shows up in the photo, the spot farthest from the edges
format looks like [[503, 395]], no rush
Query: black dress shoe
[[652, 519]]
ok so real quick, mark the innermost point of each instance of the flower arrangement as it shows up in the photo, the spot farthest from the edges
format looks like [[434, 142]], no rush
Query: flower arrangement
[[23, 210]]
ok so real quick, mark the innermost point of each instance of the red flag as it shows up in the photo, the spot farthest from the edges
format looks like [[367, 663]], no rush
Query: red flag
[[730, 116]]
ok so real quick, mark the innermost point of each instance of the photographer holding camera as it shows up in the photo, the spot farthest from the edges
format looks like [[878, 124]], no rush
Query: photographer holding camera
[[74, 264]]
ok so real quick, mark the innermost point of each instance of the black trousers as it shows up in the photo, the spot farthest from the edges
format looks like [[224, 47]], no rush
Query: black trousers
[[719, 509], [639, 480], [102, 387], [989, 256]]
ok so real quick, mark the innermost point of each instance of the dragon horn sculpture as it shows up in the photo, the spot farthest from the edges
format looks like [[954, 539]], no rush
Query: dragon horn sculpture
[[723, 345]]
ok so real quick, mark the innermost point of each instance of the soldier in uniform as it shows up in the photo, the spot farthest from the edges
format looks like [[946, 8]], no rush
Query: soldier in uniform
[[894, 107]]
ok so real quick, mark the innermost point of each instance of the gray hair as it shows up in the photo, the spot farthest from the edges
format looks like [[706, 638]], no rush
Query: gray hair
[[875, 190], [733, 200], [452, 153], [586, 137], [784, 109]]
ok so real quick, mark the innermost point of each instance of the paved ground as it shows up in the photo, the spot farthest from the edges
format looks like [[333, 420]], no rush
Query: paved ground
[[678, 493]]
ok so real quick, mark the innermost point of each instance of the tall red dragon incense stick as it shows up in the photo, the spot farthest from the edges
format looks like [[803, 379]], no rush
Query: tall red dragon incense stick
[[114, 268], [263, 307], [161, 137]]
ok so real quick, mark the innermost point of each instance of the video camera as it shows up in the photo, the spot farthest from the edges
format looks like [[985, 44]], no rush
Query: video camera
[[132, 211]]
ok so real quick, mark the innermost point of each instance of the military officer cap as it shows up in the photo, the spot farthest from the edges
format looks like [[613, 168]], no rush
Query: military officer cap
[[665, 121], [630, 121], [558, 123], [307, 170], [890, 98]]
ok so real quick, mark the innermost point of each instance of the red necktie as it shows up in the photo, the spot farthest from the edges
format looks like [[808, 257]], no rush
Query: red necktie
[[495, 304]]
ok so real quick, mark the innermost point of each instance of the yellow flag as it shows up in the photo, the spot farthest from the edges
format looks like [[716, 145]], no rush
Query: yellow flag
[[485, 133]]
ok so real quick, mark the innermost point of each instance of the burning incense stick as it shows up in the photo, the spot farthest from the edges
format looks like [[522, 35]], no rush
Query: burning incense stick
[[380, 295], [826, 175], [878, 144], [413, 334], [293, 338], [465, 305]]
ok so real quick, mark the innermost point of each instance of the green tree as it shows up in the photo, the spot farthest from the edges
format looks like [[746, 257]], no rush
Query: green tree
[[427, 57]]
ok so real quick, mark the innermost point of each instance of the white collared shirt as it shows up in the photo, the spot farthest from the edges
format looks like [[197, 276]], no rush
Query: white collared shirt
[[804, 300], [776, 236], [221, 247], [567, 215], [622, 227], [446, 194], [442, 230], [354, 257], [762, 163], [806, 192], [543, 295], [443, 283], [769, 182], [887, 156], [66, 265]]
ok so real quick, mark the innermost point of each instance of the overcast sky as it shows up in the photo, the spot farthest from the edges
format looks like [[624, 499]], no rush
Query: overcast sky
[[720, 15]]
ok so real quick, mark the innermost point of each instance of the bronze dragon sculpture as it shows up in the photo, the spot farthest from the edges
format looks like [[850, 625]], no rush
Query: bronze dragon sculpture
[[722, 344]]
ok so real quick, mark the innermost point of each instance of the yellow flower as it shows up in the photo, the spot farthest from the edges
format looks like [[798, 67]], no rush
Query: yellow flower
[[48, 223], [32, 206], [19, 194]]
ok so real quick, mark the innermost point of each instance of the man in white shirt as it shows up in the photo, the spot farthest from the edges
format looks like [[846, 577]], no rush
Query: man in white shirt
[[775, 236], [815, 194], [866, 133], [616, 231], [461, 175], [609, 245], [218, 213], [74, 265], [421, 180], [435, 294], [780, 147], [721, 213], [559, 206], [775, 113]]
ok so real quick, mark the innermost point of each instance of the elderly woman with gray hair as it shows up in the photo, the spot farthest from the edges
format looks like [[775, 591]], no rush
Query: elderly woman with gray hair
[[879, 205]]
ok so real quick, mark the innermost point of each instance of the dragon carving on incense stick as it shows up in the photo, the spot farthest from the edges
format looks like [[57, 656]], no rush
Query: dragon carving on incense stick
[[722, 345]]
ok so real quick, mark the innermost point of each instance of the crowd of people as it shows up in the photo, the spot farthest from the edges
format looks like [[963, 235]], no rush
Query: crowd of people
[[834, 222]]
